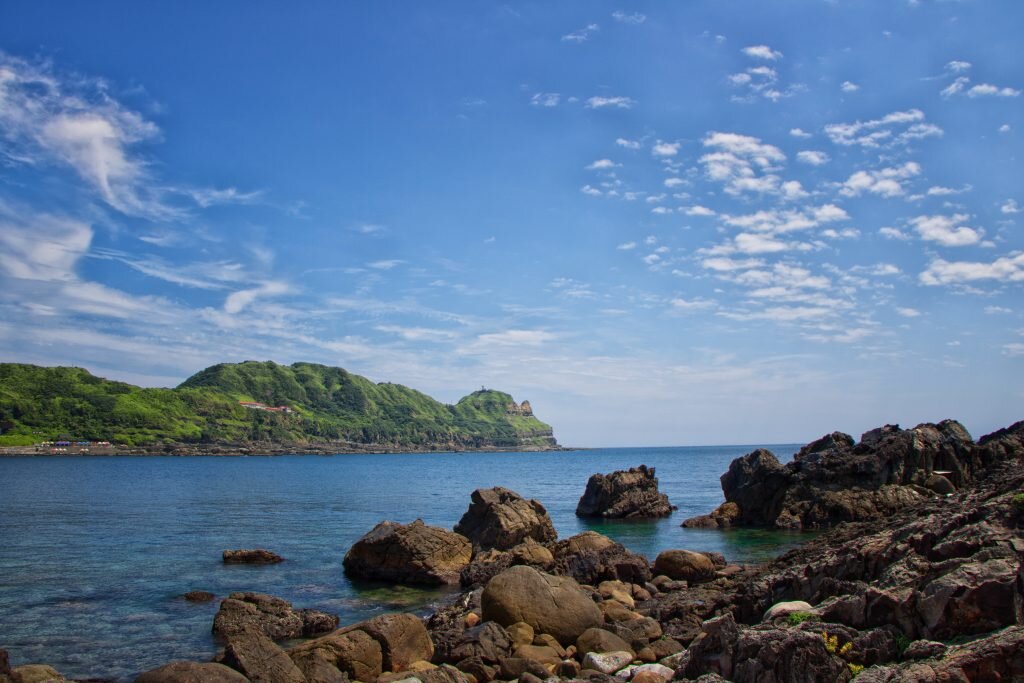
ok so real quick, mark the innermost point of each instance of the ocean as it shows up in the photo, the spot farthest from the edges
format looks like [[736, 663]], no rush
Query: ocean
[[95, 552]]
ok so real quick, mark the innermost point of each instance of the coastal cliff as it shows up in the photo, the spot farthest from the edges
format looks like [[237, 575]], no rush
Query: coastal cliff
[[252, 407]]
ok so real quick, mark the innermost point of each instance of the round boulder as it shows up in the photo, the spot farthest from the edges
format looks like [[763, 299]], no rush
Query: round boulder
[[550, 604], [409, 553], [684, 565]]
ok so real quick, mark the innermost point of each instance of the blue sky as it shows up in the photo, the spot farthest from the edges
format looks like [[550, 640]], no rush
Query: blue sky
[[663, 223]]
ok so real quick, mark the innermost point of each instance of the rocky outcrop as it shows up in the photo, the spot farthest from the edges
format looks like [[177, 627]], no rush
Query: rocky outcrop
[[550, 604], [252, 556], [591, 558], [626, 494], [255, 656], [409, 553], [835, 480], [272, 616], [502, 519], [191, 672]]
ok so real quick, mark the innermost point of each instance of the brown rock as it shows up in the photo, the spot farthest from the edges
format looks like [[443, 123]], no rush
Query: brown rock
[[489, 641], [512, 668], [277, 619], [599, 640], [199, 596], [354, 653], [254, 556], [629, 493], [521, 633], [478, 669], [255, 656], [541, 653], [191, 672], [550, 604], [500, 518], [414, 553], [403, 639], [685, 565]]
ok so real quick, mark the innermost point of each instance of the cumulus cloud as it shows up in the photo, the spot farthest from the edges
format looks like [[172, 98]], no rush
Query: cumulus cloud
[[698, 211], [847, 86], [1008, 268], [946, 230], [900, 127], [762, 52], [591, 191], [812, 158], [736, 161], [602, 165], [628, 144], [799, 133], [1010, 207], [665, 149], [886, 182], [893, 234]]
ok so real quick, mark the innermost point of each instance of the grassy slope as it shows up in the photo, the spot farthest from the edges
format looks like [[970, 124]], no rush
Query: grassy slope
[[331, 404]]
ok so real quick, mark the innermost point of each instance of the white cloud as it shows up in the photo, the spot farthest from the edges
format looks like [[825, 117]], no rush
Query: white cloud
[[799, 133], [956, 87], [748, 243], [1005, 128], [582, 35], [882, 132], [665, 149], [626, 246], [1013, 350], [531, 338], [989, 90], [847, 86], [211, 197], [1004, 269], [997, 310], [893, 234], [762, 52], [792, 190], [598, 102], [661, 210], [635, 18], [908, 312], [946, 230], [958, 66], [1010, 207], [680, 304], [628, 144], [674, 182], [417, 334], [812, 158], [545, 99], [698, 211], [723, 264], [591, 191], [41, 246], [737, 160], [886, 182], [602, 165], [236, 302]]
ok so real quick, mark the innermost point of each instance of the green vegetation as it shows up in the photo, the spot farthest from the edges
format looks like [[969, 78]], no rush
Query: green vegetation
[[797, 618], [329, 405]]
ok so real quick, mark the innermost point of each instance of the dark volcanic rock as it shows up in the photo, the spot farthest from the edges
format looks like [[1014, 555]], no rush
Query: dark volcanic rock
[[834, 480], [273, 616], [629, 493], [501, 519], [254, 556], [591, 558], [409, 553]]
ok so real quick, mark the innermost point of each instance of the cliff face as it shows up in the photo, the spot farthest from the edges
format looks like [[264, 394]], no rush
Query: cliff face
[[303, 405]]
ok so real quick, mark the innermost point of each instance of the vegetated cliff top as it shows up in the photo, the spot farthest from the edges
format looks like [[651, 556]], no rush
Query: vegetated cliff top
[[323, 404]]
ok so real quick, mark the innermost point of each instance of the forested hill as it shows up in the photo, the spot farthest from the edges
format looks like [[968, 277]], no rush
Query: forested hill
[[298, 404]]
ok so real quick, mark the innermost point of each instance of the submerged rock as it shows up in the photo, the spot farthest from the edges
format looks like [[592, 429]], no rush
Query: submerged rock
[[502, 519], [409, 553], [631, 494], [253, 556]]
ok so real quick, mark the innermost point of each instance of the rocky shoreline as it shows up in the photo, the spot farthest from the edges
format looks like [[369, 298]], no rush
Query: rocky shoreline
[[926, 587], [275, 449]]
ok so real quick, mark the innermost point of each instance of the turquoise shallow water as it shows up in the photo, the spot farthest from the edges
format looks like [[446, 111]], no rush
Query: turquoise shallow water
[[95, 551]]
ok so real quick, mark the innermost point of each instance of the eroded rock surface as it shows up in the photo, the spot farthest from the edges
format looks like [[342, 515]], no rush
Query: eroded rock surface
[[502, 519], [409, 553], [626, 494]]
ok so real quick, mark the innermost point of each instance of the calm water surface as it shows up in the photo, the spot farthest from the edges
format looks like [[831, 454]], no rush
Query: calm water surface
[[95, 551]]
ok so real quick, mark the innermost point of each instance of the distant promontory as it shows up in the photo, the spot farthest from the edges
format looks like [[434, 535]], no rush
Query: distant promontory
[[251, 407]]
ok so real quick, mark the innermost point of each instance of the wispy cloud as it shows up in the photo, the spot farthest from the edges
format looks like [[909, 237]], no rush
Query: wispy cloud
[[634, 18], [617, 102], [582, 35], [899, 127]]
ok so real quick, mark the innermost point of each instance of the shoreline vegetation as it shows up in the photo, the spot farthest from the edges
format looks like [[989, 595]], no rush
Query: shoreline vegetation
[[252, 408], [919, 577]]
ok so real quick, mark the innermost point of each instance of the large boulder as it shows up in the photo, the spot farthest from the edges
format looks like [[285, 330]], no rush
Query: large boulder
[[191, 672], [685, 565], [502, 519], [550, 604], [591, 558], [489, 642], [403, 639], [273, 616], [353, 653], [631, 493], [409, 553]]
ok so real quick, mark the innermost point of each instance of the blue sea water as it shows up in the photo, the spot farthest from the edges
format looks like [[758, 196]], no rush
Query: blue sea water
[[95, 552]]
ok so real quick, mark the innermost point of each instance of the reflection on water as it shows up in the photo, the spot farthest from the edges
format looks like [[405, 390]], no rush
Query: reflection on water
[[97, 551]]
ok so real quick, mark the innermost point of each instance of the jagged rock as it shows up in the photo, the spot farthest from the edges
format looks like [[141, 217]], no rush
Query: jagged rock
[[409, 553], [833, 480], [550, 604], [191, 672], [255, 656], [685, 565], [274, 616], [489, 563], [353, 653], [974, 598], [770, 655], [996, 657], [924, 649], [502, 519], [713, 650], [629, 493], [591, 558], [489, 642], [253, 556]]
